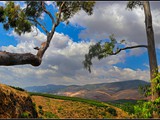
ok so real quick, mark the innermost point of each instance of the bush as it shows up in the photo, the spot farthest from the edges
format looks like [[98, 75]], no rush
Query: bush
[[40, 110], [112, 111], [40, 107], [25, 115], [17, 88], [50, 115]]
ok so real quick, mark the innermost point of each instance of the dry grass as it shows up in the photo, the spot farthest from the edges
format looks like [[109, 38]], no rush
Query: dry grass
[[73, 109]]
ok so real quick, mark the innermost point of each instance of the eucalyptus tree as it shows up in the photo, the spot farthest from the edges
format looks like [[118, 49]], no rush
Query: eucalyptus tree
[[105, 49], [21, 20]]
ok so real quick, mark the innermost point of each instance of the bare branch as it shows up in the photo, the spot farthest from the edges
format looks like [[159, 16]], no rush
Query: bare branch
[[47, 12], [34, 20], [41, 26], [132, 47], [59, 15], [9, 59]]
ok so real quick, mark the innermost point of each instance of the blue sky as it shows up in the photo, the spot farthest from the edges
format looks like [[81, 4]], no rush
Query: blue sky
[[62, 63]]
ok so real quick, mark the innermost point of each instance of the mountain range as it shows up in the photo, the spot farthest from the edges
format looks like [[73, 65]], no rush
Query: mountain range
[[101, 92]]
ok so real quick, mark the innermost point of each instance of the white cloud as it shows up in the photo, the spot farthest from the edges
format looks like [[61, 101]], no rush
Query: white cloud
[[112, 18], [62, 64]]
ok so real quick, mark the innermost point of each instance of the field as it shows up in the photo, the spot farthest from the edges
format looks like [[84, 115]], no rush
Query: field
[[53, 106]]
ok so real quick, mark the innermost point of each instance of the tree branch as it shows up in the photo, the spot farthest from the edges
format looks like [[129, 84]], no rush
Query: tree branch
[[47, 12], [9, 59], [41, 26], [59, 15], [45, 45], [34, 20], [132, 47]]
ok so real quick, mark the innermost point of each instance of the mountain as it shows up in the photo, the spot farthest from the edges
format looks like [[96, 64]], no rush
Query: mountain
[[102, 92], [45, 89]]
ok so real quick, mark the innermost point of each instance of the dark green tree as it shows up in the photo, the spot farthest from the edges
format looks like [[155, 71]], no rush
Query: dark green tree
[[21, 20]]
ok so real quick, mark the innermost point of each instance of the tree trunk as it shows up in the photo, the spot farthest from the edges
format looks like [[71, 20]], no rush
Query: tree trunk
[[151, 48]]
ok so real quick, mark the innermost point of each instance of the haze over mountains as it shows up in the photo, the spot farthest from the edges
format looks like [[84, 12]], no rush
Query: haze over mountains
[[102, 92]]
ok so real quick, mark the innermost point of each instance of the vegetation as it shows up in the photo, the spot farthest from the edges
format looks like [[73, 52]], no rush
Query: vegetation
[[149, 109], [91, 102], [25, 115], [112, 111], [126, 105], [61, 108], [40, 110], [50, 115], [17, 88]]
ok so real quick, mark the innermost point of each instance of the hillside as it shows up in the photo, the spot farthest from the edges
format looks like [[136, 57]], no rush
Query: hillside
[[51, 106], [102, 92], [15, 103]]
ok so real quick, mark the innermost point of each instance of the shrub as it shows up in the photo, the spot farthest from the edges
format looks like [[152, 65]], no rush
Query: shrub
[[112, 111], [25, 115], [50, 115], [17, 88], [40, 110]]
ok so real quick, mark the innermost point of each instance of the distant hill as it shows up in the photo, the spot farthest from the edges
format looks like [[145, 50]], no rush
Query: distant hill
[[45, 89], [102, 92]]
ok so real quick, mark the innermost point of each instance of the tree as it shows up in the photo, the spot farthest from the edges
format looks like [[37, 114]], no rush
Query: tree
[[102, 50], [22, 20]]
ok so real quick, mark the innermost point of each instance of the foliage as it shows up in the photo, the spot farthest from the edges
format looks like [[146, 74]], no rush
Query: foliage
[[12, 16], [71, 7], [112, 111], [126, 105], [91, 102], [50, 115], [101, 50], [134, 4], [25, 115], [145, 90], [146, 109], [143, 110], [18, 88], [33, 9], [40, 110]]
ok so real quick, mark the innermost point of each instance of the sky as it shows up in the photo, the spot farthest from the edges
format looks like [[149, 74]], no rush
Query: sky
[[62, 62]]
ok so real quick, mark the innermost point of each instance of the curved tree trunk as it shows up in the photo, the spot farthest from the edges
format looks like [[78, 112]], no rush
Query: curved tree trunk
[[151, 48]]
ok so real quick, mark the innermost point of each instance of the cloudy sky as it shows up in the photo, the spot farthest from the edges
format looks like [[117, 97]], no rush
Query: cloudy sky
[[62, 62]]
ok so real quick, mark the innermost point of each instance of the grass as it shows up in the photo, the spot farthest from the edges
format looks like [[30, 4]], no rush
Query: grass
[[126, 105], [69, 107], [91, 102]]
